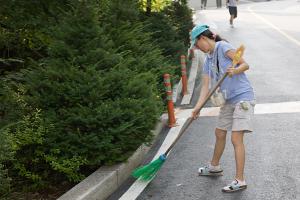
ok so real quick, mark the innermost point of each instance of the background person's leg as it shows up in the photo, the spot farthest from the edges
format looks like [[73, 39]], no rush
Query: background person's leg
[[234, 14], [202, 3], [230, 9]]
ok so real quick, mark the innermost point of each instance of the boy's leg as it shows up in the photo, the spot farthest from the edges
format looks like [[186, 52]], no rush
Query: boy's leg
[[239, 151], [219, 146]]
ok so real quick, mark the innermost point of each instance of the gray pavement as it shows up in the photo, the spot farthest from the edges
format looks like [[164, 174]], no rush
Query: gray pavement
[[272, 160], [271, 170]]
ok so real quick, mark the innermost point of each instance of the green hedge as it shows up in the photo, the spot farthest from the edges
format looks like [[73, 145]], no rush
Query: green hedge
[[181, 16], [90, 98]]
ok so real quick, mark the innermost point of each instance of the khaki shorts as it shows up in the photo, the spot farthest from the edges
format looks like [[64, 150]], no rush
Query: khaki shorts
[[237, 117]]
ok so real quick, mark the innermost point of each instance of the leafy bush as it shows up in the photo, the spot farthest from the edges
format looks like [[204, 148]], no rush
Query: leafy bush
[[87, 92], [86, 120], [134, 40], [27, 139], [24, 30], [5, 156], [86, 105], [165, 36], [181, 16]]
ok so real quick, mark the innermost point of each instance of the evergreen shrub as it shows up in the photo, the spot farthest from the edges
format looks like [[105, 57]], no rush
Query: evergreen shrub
[[84, 106], [85, 88]]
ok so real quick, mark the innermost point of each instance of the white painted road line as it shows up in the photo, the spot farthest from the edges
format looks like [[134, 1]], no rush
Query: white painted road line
[[273, 108], [138, 186], [268, 108], [292, 39]]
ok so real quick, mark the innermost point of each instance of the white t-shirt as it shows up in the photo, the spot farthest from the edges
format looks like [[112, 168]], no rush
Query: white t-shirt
[[232, 3]]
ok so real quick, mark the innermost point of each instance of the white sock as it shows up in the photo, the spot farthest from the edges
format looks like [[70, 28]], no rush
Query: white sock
[[241, 182], [218, 167]]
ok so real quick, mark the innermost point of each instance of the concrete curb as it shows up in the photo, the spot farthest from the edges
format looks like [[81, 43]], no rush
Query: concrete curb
[[186, 99], [103, 182], [177, 91], [195, 66]]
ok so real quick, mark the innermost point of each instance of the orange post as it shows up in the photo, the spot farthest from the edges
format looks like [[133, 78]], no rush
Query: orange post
[[168, 88], [191, 54], [191, 50], [183, 74]]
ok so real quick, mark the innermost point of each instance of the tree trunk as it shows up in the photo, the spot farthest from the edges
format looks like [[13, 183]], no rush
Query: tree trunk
[[148, 7]]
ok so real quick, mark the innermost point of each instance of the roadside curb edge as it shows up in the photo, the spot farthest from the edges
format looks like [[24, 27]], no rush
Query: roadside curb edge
[[104, 181]]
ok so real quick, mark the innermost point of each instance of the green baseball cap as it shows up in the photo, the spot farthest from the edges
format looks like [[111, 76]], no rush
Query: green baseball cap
[[197, 30]]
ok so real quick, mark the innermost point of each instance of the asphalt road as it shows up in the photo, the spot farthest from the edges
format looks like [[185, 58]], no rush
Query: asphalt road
[[270, 32]]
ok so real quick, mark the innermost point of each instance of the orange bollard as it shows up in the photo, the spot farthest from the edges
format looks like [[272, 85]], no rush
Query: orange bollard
[[191, 54], [183, 74], [168, 88]]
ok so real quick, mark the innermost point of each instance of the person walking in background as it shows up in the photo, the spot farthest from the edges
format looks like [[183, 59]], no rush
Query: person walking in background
[[219, 3], [236, 114], [203, 4], [232, 7]]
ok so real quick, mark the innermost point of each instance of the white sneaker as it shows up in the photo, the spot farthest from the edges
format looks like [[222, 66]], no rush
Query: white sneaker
[[236, 185], [210, 170]]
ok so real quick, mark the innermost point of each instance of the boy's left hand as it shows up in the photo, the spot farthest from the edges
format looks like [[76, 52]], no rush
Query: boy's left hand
[[231, 71]]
